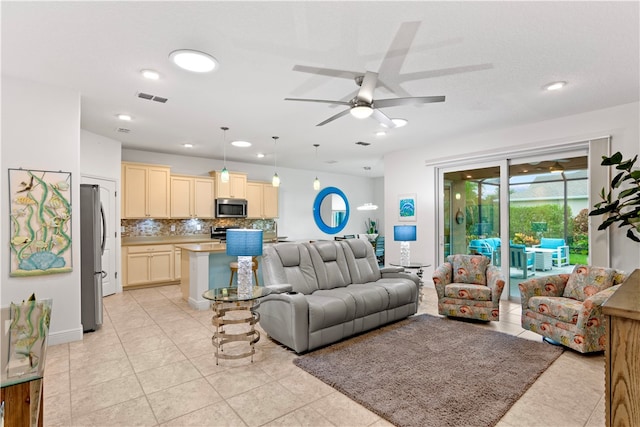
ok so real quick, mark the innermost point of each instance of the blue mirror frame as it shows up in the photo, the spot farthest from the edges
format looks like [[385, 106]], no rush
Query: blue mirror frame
[[316, 210]]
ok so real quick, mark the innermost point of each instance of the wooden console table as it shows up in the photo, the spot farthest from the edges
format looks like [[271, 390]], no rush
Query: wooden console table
[[622, 364]]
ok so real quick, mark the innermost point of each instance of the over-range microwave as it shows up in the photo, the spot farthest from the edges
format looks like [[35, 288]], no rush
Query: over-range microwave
[[231, 208]]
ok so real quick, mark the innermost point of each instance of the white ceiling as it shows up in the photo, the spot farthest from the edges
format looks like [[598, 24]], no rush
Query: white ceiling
[[514, 47]]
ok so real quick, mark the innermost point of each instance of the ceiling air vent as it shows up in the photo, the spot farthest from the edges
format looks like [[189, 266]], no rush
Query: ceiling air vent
[[123, 130], [364, 144], [152, 97], [331, 162]]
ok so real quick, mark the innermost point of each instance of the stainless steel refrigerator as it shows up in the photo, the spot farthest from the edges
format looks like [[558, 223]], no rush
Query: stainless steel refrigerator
[[92, 240]]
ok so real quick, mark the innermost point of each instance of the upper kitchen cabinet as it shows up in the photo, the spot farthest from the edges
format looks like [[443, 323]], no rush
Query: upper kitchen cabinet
[[262, 200], [145, 190], [192, 196], [235, 188]]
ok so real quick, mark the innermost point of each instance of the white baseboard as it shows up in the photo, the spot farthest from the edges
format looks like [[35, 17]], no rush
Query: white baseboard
[[62, 337], [199, 305]]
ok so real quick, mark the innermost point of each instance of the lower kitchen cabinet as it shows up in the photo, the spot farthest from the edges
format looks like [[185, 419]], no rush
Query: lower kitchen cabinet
[[147, 264]]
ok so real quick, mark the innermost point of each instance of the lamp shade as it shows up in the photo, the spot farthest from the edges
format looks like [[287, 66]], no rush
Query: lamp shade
[[244, 242], [404, 233]]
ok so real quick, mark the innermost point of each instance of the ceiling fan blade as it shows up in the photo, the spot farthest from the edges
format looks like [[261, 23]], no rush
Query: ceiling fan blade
[[414, 100], [365, 94], [329, 72], [383, 118], [443, 72], [335, 116], [324, 101], [399, 48]]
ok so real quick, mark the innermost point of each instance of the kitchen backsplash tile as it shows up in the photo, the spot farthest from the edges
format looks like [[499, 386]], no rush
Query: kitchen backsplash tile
[[189, 227]]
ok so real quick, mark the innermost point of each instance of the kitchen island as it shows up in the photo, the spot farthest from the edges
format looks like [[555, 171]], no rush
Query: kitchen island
[[204, 266]]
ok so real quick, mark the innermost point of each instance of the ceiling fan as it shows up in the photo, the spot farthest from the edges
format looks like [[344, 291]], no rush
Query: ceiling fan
[[363, 105]]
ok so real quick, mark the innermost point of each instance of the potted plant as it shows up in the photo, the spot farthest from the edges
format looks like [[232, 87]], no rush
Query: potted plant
[[624, 208]]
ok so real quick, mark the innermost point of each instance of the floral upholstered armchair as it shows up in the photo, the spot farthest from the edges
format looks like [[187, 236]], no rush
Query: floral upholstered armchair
[[567, 308], [469, 286]]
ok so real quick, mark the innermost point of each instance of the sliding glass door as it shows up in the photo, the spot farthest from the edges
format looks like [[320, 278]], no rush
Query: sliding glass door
[[528, 215]]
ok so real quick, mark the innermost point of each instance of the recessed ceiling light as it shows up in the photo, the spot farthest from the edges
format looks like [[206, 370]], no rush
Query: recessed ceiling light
[[125, 117], [241, 144], [381, 133], [187, 145], [260, 155], [193, 60], [399, 122], [555, 85], [150, 74]]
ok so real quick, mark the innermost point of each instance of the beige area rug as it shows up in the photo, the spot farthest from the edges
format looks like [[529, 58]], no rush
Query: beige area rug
[[431, 371]]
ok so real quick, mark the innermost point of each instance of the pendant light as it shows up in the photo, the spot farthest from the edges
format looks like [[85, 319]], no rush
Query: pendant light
[[224, 174], [316, 182], [275, 181], [367, 206]]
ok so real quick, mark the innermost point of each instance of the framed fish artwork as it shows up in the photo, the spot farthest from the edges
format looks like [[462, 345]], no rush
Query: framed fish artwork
[[40, 222]]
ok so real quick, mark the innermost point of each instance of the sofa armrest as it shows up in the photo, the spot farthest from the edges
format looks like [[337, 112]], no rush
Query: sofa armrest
[[280, 288], [384, 270], [495, 282], [551, 286], [442, 276], [285, 317], [402, 275]]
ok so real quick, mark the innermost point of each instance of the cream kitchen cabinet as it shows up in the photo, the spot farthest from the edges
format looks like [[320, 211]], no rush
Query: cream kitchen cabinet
[[147, 264], [262, 200], [177, 265], [145, 190], [235, 188], [192, 197]]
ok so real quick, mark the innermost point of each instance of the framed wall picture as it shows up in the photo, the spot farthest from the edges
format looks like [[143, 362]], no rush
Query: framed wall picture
[[40, 218], [407, 207]]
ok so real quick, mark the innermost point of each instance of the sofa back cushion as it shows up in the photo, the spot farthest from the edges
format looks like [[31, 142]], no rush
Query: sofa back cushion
[[586, 281], [290, 263], [470, 269], [329, 263], [362, 262]]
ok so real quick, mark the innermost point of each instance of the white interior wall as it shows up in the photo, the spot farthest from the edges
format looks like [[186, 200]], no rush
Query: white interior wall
[[296, 194], [41, 130], [405, 171]]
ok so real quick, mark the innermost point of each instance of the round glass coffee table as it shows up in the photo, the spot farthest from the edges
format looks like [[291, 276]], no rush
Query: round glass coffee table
[[229, 308]]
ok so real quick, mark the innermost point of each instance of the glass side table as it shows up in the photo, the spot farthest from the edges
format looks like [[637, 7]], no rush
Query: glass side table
[[414, 267], [229, 308]]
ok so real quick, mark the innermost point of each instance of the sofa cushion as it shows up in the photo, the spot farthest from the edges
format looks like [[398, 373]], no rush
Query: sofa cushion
[[368, 298], [564, 309], [401, 291], [469, 268], [362, 262], [468, 291], [330, 264], [329, 310], [586, 281], [289, 263]]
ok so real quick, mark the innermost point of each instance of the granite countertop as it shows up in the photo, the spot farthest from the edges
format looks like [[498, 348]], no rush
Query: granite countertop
[[159, 240], [204, 247]]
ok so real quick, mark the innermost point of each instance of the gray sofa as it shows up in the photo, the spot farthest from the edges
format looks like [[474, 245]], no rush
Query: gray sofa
[[328, 290]]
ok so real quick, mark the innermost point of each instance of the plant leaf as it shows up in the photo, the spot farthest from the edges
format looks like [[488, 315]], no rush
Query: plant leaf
[[613, 160], [632, 236], [615, 182]]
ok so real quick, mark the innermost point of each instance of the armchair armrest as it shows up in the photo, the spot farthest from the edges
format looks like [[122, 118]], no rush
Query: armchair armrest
[[495, 282], [590, 318], [551, 286], [442, 276]]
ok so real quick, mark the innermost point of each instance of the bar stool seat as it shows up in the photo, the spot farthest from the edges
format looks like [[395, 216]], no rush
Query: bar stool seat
[[233, 266]]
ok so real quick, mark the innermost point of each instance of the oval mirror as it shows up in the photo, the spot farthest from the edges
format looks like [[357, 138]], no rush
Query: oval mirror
[[331, 210]]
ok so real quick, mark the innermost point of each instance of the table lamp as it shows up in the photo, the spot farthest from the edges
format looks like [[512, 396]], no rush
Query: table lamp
[[404, 234], [244, 244]]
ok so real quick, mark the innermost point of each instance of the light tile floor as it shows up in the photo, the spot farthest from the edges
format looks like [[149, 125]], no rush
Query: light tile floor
[[152, 364]]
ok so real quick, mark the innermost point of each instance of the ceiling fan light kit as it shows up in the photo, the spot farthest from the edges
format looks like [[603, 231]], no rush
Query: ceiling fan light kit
[[361, 111]]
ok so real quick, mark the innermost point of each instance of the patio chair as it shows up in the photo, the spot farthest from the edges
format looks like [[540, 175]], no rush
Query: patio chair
[[560, 257], [520, 259]]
